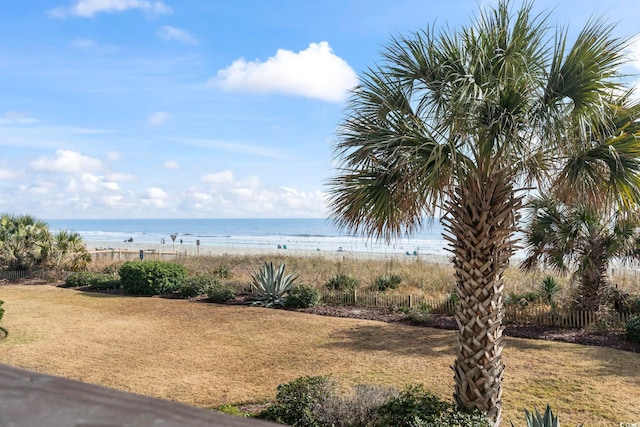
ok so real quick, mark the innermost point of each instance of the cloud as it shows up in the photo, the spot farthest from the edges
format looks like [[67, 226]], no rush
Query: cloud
[[119, 177], [16, 117], [10, 174], [170, 164], [158, 118], [90, 183], [113, 155], [90, 8], [84, 44], [154, 197], [315, 72], [231, 147], [66, 161], [167, 32], [224, 177]]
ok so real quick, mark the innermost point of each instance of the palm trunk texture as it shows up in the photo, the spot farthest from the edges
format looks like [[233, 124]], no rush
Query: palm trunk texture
[[481, 219]]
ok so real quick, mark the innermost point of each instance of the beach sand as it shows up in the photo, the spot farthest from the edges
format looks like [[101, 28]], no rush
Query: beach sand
[[131, 250]]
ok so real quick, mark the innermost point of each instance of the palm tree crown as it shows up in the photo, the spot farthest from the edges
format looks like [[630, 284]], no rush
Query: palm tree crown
[[466, 121]]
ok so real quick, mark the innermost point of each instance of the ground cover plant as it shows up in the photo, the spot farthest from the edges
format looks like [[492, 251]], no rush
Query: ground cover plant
[[209, 355]]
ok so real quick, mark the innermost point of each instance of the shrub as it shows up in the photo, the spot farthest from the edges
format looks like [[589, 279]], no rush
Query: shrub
[[549, 290], [355, 409], [271, 286], [303, 296], [197, 285], [632, 329], [295, 401], [220, 293], [420, 316], [97, 281], [231, 410], [223, 271], [341, 282], [151, 277], [388, 281], [1, 309], [416, 407]]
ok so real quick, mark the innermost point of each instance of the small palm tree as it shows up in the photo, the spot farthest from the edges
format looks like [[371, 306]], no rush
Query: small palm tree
[[463, 122], [68, 252], [581, 240], [24, 242]]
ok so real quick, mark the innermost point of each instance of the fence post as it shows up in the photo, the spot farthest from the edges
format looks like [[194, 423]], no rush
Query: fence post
[[410, 301]]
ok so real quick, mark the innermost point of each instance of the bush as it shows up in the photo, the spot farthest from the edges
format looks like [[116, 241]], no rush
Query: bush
[[197, 285], [632, 329], [416, 407], [303, 296], [295, 401], [97, 281], [355, 409], [1, 309], [151, 277], [341, 282], [223, 271], [220, 293], [388, 281]]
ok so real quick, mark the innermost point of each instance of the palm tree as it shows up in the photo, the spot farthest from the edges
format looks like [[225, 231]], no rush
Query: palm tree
[[466, 122], [68, 252], [24, 242], [581, 239]]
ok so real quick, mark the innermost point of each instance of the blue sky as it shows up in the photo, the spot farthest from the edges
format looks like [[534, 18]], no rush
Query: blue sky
[[193, 108]]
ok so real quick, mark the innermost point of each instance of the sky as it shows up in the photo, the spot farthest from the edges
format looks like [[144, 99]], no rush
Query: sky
[[200, 109]]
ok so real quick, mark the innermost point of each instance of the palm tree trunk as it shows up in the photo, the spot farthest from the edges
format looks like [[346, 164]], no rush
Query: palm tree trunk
[[593, 279], [481, 219]]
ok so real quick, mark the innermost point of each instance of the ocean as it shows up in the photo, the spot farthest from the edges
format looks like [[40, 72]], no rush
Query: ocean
[[297, 234]]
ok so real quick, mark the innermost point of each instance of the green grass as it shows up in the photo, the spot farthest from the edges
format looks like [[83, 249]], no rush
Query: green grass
[[208, 355]]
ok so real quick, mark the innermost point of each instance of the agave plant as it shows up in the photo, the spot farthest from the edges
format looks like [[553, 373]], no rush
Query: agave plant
[[535, 419], [270, 287]]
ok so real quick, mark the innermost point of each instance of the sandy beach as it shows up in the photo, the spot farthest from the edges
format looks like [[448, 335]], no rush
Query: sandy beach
[[131, 250]]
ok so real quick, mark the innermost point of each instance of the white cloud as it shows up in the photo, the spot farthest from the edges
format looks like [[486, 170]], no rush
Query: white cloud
[[232, 147], [315, 72], [113, 155], [158, 118], [154, 197], [119, 177], [16, 117], [224, 177], [170, 164], [66, 161], [10, 174], [90, 8], [167, 32]]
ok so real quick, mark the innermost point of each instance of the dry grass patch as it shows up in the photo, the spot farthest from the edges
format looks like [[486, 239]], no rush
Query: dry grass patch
[[205, 354]]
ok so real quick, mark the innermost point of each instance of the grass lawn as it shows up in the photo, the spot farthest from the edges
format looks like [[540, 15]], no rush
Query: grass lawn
[[206, 354]]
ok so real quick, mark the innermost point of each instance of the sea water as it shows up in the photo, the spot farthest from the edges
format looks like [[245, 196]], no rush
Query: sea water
[[300, 233]]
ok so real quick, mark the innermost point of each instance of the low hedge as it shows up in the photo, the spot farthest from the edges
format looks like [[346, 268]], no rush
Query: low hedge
[[97, 281], [151, 277]]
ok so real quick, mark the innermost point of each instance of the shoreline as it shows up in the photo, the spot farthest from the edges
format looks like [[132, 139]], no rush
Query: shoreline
[[168, 249]]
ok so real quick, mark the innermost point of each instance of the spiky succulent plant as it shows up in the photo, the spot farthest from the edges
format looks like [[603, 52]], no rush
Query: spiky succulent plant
[[270, 286]]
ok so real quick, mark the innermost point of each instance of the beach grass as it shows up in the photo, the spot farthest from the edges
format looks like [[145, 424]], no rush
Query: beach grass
[[206, 355]]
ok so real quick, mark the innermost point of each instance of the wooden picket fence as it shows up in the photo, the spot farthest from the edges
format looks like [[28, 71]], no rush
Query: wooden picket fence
[[14, 274], [537, 315]]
